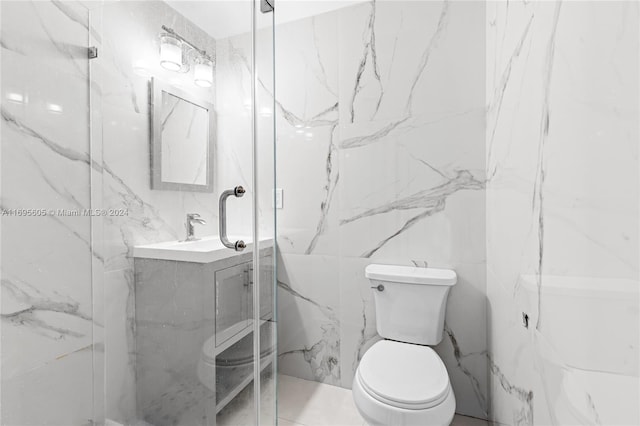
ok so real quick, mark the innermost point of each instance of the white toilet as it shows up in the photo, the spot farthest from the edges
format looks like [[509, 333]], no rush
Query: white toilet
[[401, 380]]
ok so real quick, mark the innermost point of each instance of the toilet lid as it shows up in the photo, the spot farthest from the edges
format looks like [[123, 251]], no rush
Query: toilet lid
[[209, 350], [404, 375]]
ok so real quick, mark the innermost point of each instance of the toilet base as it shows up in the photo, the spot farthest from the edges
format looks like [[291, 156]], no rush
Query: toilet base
[[377, 413]]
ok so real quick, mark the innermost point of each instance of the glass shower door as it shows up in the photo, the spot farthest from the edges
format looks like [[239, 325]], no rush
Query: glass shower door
[[120, 305], [247, 61], [266, 203]]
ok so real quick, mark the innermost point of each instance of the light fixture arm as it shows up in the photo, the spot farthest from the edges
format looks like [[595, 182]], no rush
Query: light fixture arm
[[203, 53]]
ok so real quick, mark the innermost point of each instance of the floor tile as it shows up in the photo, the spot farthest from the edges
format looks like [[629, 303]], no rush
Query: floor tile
[[459, 420], [306, 403]]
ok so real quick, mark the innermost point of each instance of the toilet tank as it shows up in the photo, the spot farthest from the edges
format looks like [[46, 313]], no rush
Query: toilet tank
[[410, 302]]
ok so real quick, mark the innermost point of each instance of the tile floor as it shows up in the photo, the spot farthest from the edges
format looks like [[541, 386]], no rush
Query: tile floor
[[305, 403]]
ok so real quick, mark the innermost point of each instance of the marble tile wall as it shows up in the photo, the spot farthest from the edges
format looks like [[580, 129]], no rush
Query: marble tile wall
[[562, 212], [47, 314], [380, 124]]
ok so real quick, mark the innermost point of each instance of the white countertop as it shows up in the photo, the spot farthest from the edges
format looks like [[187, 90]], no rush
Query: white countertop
[[206, 250]]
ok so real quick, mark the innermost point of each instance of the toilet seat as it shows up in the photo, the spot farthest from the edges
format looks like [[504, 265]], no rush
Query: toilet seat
[[404, 375]]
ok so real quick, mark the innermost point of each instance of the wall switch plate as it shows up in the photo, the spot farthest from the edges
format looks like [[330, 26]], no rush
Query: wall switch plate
[[277, 198]]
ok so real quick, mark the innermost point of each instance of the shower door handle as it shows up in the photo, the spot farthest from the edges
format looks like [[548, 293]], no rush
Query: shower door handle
[[238, 191]]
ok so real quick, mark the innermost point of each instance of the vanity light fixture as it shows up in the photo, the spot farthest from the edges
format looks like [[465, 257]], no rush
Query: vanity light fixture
[[203, 72], [170, 52], [179, 54]]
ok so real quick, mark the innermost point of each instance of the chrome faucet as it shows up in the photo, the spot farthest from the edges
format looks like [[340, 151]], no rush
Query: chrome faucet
[[191, 219]]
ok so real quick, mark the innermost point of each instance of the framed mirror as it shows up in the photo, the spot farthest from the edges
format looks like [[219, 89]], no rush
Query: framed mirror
[[182, 139]]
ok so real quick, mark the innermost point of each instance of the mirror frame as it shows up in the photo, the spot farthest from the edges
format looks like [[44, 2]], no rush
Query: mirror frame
[[155, 90]]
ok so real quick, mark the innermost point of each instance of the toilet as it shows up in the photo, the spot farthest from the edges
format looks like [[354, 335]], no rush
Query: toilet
[[216, 369], [401, 380]]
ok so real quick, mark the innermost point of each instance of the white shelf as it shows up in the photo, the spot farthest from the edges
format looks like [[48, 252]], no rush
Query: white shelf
[[243, 384], [235, 333]]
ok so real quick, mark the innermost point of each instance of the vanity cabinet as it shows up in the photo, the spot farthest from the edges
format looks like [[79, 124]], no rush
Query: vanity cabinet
[[194, 334]]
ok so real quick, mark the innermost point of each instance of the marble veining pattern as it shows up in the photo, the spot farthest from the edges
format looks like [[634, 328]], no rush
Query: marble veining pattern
[[319, 348], [550, 213], [388, 158], [538, 190], [47, 313]]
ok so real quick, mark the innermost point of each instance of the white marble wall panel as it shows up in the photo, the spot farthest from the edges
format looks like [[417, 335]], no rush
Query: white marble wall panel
[[394, 184], [307, 119], [35, 397], [357, 316], [562, 209], [381, 153], [46, 294], [309, 317], [120, 355]]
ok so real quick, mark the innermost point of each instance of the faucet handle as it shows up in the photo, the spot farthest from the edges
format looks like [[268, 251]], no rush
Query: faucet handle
[[193, 218]]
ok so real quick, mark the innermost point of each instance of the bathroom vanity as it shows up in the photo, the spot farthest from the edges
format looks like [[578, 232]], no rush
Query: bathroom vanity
[[194, 327]]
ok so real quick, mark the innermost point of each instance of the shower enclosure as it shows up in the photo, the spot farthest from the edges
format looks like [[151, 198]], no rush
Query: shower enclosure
[[120, 119]]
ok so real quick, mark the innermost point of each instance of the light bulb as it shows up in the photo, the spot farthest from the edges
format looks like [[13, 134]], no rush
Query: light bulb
[[15, 97], [203, 73], [170, 52]]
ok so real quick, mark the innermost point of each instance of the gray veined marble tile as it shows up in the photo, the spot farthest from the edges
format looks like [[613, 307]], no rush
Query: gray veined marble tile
[[404, 169], [52, 30], [309, 335], [538, 192], [31, 308], [332, 178], [523, 414], [543, 225], [418, 206], [368, 61], [426, 54]]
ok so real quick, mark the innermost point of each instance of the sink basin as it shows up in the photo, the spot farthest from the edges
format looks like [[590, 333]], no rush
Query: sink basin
[[205, 250]]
